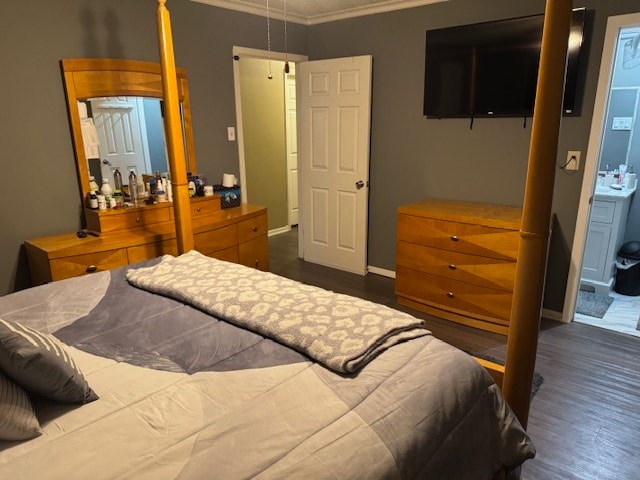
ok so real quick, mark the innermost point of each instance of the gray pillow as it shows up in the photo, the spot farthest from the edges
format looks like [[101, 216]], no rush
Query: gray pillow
[[41, 363], [18, 421]]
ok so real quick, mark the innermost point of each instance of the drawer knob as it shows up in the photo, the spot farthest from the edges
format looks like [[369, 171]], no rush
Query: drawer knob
[[254, 229], [91, 269], [257, 263], [452, 267], [454, 238], [198, 209], [450, 294], [137, 219]]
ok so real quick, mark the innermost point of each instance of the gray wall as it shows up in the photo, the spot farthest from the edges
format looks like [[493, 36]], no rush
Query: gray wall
[[411, 157], [623, 146], [39, 193]]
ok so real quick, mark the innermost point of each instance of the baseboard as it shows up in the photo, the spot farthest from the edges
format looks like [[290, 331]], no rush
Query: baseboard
[[278, 231], [382, 271], [552, 315]]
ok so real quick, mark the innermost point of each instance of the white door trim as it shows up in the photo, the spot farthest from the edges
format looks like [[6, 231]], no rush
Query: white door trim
[[614, 24], [251, 53]]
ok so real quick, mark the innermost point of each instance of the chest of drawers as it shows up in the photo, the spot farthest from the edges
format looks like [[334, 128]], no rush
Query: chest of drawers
[[236, 234], [457, 260]]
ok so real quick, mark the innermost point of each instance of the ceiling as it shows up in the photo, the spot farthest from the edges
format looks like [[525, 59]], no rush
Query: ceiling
[[310, 12]]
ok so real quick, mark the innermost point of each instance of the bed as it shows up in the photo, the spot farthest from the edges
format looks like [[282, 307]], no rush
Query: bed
[[184, 394], [141, 381]]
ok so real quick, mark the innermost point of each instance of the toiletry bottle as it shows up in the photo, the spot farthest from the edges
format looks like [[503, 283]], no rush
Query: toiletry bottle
[[93, 200], [92, 183], [117, 190], [106, 190], [133, 187], [140, 188]]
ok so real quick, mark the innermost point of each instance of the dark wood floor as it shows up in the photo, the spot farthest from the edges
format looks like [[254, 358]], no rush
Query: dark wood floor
[[584, 419]]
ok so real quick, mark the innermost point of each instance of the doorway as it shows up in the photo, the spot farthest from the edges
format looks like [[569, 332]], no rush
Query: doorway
[[606, 216], [266, 132]]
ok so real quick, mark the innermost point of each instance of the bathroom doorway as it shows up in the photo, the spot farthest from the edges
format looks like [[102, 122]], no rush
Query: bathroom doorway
[[609, 211]]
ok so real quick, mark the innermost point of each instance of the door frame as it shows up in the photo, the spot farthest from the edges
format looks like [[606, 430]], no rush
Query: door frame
[[607, 62], [245, 52]]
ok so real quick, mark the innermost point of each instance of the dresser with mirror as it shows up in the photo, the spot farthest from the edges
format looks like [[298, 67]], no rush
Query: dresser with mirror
[[122, 100]]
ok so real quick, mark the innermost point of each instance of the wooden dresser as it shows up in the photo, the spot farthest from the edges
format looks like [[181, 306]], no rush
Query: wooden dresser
[[457, 260], [236, 234]]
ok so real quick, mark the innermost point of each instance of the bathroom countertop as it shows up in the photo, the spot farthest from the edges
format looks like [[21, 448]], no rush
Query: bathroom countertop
[[608, 192]]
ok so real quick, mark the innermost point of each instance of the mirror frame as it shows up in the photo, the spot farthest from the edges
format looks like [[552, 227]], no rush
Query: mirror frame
[[86, 78]]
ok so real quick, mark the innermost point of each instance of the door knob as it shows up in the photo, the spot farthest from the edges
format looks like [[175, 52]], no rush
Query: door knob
[[359, 184]]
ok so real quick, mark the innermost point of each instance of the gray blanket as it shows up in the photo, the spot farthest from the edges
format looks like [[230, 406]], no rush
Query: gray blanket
[[343, 333]]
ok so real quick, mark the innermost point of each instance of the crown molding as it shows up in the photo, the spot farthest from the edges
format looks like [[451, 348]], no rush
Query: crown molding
[[277, 13]]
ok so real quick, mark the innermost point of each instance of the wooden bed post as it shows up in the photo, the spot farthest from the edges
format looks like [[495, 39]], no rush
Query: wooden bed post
[[524, 328], [173, 131]]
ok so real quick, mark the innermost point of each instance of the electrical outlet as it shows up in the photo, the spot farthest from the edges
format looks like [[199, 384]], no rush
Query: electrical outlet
[[231, 134], [573, 160]]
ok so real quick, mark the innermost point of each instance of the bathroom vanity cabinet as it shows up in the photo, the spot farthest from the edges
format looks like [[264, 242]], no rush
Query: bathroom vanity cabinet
[[607, 226], [236, 235], [457, 260]]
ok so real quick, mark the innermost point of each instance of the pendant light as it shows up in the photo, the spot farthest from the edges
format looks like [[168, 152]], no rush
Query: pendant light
[[286, 60], [270, 76]]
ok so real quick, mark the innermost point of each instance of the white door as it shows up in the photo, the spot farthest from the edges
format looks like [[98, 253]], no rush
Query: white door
[[122, 136], [334, 116], [292, 145]]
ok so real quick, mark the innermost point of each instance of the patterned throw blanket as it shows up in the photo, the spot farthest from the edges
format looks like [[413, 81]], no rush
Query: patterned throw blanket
[[342, 332]]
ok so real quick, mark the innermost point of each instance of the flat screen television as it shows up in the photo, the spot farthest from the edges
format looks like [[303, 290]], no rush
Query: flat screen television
[[491, 69]]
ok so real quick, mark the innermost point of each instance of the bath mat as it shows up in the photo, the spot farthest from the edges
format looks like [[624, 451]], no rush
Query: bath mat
[[593, 304]]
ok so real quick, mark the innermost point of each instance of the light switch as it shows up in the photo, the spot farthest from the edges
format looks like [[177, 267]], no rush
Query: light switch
[[231, 134], [622, 123]]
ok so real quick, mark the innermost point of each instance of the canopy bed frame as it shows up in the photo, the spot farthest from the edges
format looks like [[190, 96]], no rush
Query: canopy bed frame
[[193, 357], [516, 375]]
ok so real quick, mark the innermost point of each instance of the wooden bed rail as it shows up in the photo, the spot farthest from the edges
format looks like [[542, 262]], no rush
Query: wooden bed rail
[[174, 134], [524, 327]]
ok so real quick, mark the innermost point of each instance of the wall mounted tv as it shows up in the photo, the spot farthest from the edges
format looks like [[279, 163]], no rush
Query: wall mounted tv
[[490, 69]]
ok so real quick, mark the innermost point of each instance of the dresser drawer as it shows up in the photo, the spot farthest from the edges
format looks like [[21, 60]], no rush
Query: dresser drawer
[[152, 250], [463, 298], [214, 240], [67, 267], [477, 270], [459, 237], [255, 253], [206, 206], [139, 217], [228, 254], [252, 228]]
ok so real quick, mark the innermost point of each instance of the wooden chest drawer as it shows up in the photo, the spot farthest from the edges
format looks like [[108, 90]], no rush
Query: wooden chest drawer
[[205, 206], [214, 240], [228, 254], [477, 270], [460, 237], [255, 253], [138, 217], [463, 298], [252, 228], [151, 250], [67, 267]]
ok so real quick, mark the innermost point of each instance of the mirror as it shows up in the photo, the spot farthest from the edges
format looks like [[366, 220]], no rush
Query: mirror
[[129, 132], [112, 91]]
